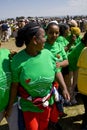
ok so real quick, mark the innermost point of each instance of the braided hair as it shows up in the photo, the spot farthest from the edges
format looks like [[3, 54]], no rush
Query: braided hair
[[84, 39], [26, 33], [62, 28]]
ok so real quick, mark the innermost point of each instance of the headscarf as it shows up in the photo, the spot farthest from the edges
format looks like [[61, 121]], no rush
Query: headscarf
[[75, 30], [73, 23]]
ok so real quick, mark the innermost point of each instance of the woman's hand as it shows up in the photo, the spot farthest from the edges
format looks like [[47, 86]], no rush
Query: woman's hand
[[66, 94], [7, 112], [58, 64]]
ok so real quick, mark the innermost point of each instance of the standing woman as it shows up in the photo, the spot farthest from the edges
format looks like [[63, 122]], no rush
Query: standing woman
[[34, 69], [73, 69], [82, 83], [52, 33], [5, 85]]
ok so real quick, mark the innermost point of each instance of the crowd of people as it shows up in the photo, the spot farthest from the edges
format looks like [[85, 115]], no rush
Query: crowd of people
[[9, 27], [38, 81]]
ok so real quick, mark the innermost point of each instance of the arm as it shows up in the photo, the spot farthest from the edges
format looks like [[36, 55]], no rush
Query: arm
[[64, 63], [13, 94], [60, 79], [62, 58]]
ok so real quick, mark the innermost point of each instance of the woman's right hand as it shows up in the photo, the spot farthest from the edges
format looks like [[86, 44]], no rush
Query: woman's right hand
[[7, 112]]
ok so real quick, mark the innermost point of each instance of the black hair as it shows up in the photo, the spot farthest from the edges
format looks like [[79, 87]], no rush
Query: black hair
[[62, 28], [49, 25], [84, 39], [26, 33]]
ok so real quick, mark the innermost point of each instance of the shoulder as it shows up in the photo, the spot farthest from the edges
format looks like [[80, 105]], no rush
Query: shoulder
[[19, 58], [60, 38], [48, 54], [20, 53], [84, 53], [82, 61], [4, 52], [46, 51]]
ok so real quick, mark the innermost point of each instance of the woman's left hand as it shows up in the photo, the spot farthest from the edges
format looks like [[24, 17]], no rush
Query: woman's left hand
[[66, 94]]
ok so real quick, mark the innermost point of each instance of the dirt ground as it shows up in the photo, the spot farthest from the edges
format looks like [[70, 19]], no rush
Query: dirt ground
[[11, 45], [73, 118]]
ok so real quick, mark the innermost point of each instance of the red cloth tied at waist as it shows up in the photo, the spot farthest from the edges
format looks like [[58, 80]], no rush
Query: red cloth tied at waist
[[36, 101]]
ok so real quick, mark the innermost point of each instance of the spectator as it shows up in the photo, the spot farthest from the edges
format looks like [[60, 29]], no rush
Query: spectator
[[6, 32]]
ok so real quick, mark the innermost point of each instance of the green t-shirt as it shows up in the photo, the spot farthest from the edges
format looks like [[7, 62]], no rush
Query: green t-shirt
[[63, 41], [74, 55], [5, 78], [58, 51], [35, 74], [77, 41]]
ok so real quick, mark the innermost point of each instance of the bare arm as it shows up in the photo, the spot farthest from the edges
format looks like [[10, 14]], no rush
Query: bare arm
[[13, 94], [60, 79], [64, 63]]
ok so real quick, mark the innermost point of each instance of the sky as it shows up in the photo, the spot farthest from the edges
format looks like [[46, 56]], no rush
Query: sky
[[33, 8]]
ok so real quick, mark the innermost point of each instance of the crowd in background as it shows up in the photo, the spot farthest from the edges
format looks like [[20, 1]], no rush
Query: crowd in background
[[9, 27]]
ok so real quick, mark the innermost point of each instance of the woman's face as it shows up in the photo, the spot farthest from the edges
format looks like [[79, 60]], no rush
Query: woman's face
[[67, 32], [40, 39], [52, 33]]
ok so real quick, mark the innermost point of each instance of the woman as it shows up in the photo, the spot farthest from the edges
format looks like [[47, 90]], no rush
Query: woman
[[52, 33], [74, 37], [34, 69], [73, 69], [57, 49], [64, 32], [82, 83], [68, 40], [5, 85]]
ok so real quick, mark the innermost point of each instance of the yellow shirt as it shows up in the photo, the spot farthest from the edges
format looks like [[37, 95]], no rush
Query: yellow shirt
[[82, 72]]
